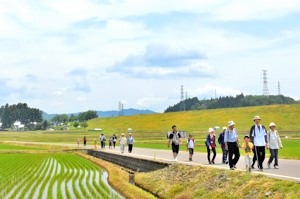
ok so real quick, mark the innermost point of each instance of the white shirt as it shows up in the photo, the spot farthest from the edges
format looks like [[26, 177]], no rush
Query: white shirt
[[259, 136], [190, 143]]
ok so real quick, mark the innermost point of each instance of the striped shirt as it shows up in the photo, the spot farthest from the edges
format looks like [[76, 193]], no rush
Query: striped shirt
[[230, 136]]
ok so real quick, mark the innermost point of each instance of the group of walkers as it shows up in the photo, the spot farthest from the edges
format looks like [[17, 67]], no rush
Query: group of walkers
[[111, 142], [254, 145]]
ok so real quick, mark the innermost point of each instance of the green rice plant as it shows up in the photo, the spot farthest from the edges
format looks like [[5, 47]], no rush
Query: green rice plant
[[46, 175]]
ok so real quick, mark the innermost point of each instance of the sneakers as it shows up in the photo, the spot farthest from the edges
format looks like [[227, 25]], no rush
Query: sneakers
[[226, 162], [175, 160], [232, 168], [190, 159], [276, 167], [209, 162], [213, 162], [252, 167]]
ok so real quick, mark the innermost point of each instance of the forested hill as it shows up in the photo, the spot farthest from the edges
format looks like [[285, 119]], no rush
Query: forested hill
[[230, 102]]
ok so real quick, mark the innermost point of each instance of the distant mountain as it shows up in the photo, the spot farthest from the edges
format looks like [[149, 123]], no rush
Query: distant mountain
[[113, 113]]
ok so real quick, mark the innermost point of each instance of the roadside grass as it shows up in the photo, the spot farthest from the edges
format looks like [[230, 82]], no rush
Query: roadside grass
[[183, 181], [118, 178], [16, 147]]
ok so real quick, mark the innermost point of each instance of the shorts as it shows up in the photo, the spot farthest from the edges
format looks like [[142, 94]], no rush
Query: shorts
[[191, 151], [248, 160], [175, 148]]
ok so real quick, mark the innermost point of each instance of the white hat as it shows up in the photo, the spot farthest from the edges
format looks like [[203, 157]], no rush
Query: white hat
[[256, 118], [231, 123], [211, 130], [272, 124], [224, 128]]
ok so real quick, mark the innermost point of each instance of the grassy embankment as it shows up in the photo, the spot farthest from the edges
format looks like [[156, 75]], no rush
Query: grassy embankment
[[150, 130], [185, 182]]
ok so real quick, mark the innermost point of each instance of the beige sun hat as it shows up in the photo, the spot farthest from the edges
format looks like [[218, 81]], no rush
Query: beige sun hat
[[224, 128], [231, 123], [123, 134], [272, 124], [211, 130], [256, 118]]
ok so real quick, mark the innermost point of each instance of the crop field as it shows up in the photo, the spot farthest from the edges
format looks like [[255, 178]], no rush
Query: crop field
[[50, 176]]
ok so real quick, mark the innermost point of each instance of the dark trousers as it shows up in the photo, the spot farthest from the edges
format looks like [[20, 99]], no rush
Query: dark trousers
[[233, 149], [274, 155], [208, 153], [130, 148], [114, 143], [259, 155], [102, 144], [224, 153]]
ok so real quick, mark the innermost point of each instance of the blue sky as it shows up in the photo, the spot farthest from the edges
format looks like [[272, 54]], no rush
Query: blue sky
[[69, 56]]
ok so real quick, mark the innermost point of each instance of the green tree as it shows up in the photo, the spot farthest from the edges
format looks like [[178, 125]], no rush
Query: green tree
[[84, 116], [84, 125], [45, 124], [76, 124]]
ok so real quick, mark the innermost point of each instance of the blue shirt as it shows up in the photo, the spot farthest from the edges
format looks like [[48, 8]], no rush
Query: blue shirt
[[230, 136]]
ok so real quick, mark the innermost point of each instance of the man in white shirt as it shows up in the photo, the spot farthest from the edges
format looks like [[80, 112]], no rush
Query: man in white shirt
[[258, 135]]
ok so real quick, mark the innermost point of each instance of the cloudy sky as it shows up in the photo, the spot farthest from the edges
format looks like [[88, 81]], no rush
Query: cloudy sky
[[66, 56]]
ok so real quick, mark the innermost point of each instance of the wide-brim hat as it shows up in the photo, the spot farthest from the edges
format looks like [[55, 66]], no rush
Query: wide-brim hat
[[272, 124], [122, 134], [256, 118], [224, 128], [211, 130], [231, 123]]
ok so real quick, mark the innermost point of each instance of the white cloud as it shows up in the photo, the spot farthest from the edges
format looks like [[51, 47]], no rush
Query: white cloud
[[53, 51], [211, 89], [146, 102]]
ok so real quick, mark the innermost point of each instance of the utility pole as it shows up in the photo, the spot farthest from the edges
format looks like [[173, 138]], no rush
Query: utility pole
[[265, 84], [182, 103]]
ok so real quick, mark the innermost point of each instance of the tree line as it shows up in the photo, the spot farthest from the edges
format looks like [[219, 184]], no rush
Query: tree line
[[29, 117], [230, 102], [81, 117]]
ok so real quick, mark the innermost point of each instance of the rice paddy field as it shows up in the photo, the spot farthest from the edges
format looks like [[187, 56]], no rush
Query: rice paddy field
[[51, 175]]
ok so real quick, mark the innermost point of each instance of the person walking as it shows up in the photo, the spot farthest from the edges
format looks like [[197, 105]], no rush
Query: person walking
[[114, 140], [102, 140], [123, 141], [190, 146], [248, 146], [130, 142], [95, 144], [274, 141], [174, 139], [211, 145], [84, 141], [258, 135], [232, 145], [78, 142], [222, 145]]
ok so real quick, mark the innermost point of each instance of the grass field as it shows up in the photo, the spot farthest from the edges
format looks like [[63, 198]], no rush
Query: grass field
[[50, 176], [285, 116]]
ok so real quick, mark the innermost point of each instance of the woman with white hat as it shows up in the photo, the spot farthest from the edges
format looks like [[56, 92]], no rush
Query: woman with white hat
[[211, 145], [274, 142], [123, 141]]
